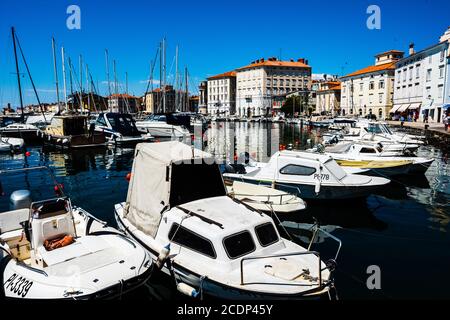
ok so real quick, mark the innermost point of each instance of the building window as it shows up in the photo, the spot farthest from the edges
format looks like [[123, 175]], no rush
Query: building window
[[361, 86], [428, 74], [372, 85], [380, 113], [418, 71], [442, 55], [428, 92], [381, 85], [380, 98], [410, 73], [441, 72], [440, 91]]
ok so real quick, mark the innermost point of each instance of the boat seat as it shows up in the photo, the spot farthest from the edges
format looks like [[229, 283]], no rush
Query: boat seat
[[81, 247], [10, 220]]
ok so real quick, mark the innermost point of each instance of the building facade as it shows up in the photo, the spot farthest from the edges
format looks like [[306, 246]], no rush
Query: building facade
[[123, 103], [203, 97], [328, 98], [221, 94], [422, 82], [260, 84], [154, 103], [370, 91]]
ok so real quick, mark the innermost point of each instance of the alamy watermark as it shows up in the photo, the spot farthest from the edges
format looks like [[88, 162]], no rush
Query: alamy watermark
[[374, 20], [73, 21], [373, 282]]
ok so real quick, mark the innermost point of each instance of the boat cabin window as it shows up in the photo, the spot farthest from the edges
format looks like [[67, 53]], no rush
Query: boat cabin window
[[101, 121], [191, 240], [266, 234], [296, 170], [368, 150], [123, 123], [374, 128], [74, 126], [194, 181], [239, 244]]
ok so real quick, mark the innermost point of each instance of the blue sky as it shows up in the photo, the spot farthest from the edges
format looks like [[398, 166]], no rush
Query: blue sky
[[213, 36]]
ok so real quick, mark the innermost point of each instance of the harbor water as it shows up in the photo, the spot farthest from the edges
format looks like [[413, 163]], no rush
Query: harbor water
[[403, 230]]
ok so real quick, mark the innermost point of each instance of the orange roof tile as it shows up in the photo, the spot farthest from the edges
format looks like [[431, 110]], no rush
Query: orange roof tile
[[277, 63], [224, 75], [123, 95], [370, 69]]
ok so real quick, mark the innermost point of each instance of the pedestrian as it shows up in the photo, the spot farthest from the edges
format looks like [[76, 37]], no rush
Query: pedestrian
[[402, 120], [446, 122]]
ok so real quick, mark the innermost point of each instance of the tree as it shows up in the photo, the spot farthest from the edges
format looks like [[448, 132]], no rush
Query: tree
[[296, 104]]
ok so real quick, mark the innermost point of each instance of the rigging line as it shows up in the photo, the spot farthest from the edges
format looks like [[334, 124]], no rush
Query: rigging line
[[31, 79], [152, 68]]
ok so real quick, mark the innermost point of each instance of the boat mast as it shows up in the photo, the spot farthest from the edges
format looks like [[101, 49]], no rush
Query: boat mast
[[17, 71], [187, 92], [176, 79], [64, 77], [71, 82], [56, 74], [164, 75], [88, 88], [115, 77], [107, 75], [81, 83]]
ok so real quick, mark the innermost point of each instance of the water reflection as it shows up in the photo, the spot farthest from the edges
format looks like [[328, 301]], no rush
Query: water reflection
[[410, 209]]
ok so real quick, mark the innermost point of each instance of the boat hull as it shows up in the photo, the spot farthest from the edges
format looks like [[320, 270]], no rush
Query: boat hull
[[308, 191], [216, 289]]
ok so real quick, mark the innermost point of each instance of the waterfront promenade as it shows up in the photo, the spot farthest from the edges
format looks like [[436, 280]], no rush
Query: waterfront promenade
[[435, 127]]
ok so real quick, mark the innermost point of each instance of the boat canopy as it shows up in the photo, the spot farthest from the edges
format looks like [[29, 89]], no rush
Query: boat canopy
[[166, 175]]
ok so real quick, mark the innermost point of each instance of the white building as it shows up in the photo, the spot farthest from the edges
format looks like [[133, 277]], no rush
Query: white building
[[370, 91], [221, 91], [260, 83], [328, 97], [422, 82]]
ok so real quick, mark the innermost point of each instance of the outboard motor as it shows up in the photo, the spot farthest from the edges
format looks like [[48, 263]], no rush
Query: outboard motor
[[20, 199]]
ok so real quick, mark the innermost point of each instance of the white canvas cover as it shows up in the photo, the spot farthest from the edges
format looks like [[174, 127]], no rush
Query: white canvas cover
[[149, 189]]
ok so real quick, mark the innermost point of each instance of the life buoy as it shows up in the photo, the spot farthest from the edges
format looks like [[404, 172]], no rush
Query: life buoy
[[50, 245]]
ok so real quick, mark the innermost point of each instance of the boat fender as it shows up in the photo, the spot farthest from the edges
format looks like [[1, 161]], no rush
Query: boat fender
[[163, 256], [65, 141], [187, 290], [59, 140]]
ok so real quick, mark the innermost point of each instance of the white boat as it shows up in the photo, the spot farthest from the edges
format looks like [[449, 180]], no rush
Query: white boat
[[317, 176], [380, 132], [120, 129], [157, 126], [209, 243], [51, 250], [364, 152], [264, 198], [24, 131], [11, 144]]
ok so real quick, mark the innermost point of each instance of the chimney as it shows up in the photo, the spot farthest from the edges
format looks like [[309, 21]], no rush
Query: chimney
[[262, 59], [445, 36], [301, 60], [411, 49], [292, 60], [306, 62]]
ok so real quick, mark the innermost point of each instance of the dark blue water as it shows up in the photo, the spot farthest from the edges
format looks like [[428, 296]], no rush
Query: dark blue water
[[404, 230]]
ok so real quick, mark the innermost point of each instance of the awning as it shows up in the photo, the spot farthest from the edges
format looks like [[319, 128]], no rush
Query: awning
[[404, 107], [395, 108], [414, 106]]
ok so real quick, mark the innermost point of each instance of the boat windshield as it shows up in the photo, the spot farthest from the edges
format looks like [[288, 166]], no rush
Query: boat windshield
[[123, 123], [386, 129], [156, 117], [374, 128], [194, 181], [335, 169]]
